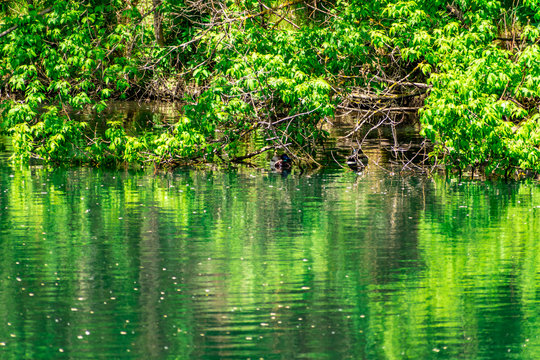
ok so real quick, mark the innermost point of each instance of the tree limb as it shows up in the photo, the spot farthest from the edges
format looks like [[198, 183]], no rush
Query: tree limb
[[404, 83], [255, 153], [13, 28]]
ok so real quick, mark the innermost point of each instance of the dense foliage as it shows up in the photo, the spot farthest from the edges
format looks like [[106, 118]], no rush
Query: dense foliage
[[275, 69]]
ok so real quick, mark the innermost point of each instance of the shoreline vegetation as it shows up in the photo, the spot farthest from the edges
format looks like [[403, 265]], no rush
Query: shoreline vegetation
[[467, 70]]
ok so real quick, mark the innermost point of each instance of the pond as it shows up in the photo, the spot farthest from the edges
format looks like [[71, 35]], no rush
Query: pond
[[247, 264], [251, 264]]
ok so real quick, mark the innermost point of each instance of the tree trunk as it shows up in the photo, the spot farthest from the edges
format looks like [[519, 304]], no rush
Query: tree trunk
[[158, 22]]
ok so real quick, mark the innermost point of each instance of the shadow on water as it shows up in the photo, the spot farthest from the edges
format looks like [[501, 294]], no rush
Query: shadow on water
[[383, 146], [136, 117]]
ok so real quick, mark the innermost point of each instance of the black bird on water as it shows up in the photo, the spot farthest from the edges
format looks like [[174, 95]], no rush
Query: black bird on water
[[357, 160], [281, 163]]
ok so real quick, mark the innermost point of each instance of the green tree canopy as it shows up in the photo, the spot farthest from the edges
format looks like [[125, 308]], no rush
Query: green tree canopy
[[277, 69]]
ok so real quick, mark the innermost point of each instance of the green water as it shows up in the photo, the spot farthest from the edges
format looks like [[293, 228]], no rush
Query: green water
[[246, 264]]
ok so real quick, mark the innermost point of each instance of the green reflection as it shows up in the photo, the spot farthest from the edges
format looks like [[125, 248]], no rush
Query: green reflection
[[245, 264]]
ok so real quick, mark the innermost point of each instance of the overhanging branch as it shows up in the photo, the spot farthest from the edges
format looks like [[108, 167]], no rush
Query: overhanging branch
[[13, 28]]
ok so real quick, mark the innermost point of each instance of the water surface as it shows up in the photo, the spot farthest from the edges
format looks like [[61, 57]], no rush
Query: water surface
[[247, 264]]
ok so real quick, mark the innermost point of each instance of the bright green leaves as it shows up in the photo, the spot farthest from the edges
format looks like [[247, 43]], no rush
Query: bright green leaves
[[243, 75], [52, 138], [379, 39], [480, 111], [470, 115], [17, 82], [253, 86], [55, 62]]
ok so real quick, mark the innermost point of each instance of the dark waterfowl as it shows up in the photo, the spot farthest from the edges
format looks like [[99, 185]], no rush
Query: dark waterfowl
[[357, 160], [281, 163]]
